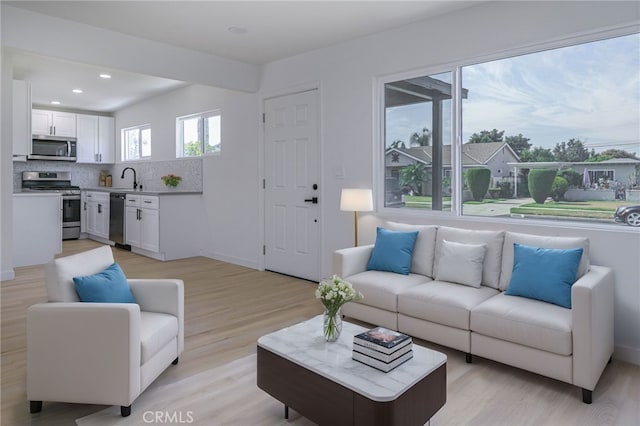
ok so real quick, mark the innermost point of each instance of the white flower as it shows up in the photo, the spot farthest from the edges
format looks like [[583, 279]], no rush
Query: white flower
[[335, 292]]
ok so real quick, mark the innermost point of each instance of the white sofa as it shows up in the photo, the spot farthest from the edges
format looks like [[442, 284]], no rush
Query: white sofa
[[100, 353], [572, 345]]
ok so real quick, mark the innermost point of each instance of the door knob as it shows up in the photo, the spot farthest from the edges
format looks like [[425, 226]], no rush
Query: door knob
[[312, 200]]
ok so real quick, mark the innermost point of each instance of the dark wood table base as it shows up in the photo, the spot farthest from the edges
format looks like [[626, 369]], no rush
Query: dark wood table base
[[328, 403]]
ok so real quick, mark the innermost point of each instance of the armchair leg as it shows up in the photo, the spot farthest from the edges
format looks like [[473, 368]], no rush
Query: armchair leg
[[175, 361], [125, 411], [468, 358], [587, 396], [35, 406]]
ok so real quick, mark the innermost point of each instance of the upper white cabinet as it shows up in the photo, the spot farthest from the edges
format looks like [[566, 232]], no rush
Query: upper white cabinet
[[96, 139], [87, 134], [54, 123], [106, 139], [21, 119]]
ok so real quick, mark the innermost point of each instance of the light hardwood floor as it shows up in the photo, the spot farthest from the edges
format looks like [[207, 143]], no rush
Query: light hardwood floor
[[228, 307]]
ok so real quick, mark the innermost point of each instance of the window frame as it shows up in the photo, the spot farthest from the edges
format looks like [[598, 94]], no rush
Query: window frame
[[124, 147], [201, 131], [455, 67]]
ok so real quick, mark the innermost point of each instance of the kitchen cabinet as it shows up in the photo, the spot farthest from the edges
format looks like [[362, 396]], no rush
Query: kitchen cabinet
[[96, 139], [142, 222], [37, 228], [97, 214], [53, 123], [21, 120]]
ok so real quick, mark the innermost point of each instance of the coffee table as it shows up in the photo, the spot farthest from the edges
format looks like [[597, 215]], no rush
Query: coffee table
[[321, 382]]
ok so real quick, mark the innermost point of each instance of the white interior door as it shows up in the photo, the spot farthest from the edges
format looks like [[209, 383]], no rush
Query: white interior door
[[291, 185]]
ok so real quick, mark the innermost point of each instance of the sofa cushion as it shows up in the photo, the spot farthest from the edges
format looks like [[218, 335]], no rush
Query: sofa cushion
[[60, 272], [544, 242], [108, 286], [380, 289], [443, 303], [461, 263], [156, 330], [544, 274], [492, 258], [392, 251], [526, 322], [425, 248]]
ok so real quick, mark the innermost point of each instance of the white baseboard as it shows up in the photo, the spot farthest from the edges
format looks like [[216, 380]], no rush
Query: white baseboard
[[7, 275], [231, 259], [627, 354]]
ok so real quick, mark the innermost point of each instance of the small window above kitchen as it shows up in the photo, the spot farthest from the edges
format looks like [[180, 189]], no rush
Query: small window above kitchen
[[198, 134], [136, 143]]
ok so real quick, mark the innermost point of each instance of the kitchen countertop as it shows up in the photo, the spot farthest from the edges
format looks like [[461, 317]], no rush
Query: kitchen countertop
[[36, 194], [144, 192]]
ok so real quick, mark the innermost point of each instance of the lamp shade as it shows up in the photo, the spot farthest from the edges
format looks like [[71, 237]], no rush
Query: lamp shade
[[356, 200]]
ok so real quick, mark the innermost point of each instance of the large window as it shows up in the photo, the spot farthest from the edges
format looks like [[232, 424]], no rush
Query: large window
[[569, 114], [417, 142], [136, 142], [198, 134]]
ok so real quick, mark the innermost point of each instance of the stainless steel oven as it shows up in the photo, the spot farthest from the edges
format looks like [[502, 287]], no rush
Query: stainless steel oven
[[58, 182], [70, 216]]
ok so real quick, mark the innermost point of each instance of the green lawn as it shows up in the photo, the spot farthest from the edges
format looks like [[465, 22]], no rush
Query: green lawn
[[581, 209], [424, 202], [585, 209]]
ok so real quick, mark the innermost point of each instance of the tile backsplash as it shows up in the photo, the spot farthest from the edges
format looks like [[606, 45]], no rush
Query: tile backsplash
[[148, 173]]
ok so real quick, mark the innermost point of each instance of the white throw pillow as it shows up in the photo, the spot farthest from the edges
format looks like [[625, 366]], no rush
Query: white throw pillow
[[461, 263], [424, 249], [492, 258]]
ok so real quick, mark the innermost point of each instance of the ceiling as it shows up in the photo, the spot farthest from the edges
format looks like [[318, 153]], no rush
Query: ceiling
[[255, 32]]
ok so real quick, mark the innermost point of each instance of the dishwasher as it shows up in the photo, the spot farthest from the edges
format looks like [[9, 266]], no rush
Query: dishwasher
[[117, 220]]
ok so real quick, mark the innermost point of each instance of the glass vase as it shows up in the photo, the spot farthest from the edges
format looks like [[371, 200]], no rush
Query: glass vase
[[332, 325]]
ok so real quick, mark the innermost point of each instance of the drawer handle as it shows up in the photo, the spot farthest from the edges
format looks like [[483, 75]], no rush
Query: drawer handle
[[148, 202]]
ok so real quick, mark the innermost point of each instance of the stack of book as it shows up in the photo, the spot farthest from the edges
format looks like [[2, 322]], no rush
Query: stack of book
[[382, 348]]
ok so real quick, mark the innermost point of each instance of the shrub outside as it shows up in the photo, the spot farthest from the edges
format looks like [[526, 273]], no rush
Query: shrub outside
[[540, 183], [558, 188], [478, 180]]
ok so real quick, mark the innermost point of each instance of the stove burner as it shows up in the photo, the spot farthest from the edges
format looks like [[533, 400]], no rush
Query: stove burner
[[59, 182]]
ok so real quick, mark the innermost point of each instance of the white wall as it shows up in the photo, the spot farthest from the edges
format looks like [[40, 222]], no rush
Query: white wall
[[230, 180], [6, 168], [347, 74]]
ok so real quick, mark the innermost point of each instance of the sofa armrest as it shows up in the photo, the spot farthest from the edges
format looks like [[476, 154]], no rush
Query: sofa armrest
[[592, 311], [350, 261], [71, 347], [164, 296]]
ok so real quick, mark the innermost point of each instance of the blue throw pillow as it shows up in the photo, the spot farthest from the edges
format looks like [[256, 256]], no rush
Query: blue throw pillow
[[108, 286], [393, 251], [544, 274]]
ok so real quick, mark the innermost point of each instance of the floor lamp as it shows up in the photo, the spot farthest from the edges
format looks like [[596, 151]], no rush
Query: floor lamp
[[355, 200]]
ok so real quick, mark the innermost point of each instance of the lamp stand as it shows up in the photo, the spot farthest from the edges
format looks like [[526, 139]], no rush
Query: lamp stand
[[355, 228]]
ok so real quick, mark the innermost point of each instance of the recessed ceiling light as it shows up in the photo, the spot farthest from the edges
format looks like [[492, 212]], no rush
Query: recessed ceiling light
[[237, 30], [105, 75], [55, 102], [77, 90]]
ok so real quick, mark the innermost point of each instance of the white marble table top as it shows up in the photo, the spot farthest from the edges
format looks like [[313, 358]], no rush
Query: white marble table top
[[304, 344]]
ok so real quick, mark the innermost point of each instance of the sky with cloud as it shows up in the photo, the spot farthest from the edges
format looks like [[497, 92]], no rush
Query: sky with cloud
[[589, 92]]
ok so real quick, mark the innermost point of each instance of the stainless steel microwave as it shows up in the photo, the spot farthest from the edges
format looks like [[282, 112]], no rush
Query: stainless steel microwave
[[47, 147]]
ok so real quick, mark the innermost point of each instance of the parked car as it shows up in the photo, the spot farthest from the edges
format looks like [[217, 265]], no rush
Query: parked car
[[628, 214]]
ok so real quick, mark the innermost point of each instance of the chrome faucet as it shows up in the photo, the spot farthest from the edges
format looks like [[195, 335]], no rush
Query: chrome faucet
[[135, 181]]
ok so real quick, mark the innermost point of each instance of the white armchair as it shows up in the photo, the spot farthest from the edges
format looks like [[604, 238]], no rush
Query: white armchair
[[100, 353]]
